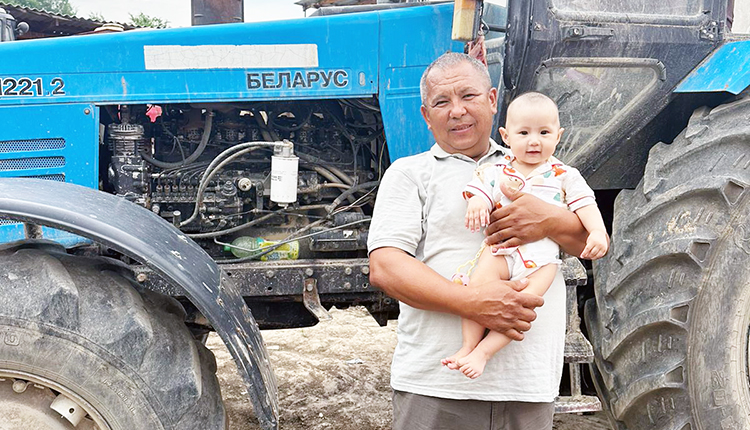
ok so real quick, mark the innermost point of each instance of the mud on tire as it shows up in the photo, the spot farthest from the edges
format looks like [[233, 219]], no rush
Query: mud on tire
[[670, 320], [83, 327]]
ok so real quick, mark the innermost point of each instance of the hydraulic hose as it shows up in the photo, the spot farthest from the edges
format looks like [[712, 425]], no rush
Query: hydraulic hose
[[218, 163], [192, 157]]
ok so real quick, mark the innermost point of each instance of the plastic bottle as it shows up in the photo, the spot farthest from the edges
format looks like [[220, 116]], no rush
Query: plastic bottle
[[241, 245]]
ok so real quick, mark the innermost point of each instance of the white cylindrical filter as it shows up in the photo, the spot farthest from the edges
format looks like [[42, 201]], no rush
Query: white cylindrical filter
[[284, 178]]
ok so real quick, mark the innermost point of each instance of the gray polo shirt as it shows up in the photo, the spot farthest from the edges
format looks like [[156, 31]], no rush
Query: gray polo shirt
[[419, 209]]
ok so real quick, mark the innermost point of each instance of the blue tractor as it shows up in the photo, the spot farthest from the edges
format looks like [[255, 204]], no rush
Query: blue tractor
[[159, 185]]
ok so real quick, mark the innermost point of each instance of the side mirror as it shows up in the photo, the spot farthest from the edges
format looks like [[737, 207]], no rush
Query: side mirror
[[21, 29]]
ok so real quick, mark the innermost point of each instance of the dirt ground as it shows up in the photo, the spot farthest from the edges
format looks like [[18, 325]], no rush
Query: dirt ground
[[334, 376]]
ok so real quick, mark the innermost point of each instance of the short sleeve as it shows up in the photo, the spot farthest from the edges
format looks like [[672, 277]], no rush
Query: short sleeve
[[479, 186], [397, 216], [577, 192]]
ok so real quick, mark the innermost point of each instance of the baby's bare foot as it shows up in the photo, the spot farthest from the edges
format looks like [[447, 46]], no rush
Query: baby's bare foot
[[473, 364], [452, 361]]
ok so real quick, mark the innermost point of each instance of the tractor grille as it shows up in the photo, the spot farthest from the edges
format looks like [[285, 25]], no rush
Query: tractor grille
[[31, 163], [30, 145], [59, 177]]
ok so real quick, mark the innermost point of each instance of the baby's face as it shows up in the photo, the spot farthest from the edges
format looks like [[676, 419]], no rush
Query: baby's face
[[532, 131]]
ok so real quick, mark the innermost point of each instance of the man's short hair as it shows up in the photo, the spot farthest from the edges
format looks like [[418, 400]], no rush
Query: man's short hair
[[451, 59]]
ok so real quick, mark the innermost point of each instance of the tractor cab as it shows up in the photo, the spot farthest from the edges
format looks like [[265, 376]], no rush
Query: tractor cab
[[612, 67]]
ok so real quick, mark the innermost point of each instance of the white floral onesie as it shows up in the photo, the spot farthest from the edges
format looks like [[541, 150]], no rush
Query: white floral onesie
[[553, 182]]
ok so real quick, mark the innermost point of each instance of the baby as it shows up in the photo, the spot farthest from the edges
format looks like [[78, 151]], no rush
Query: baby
[[532, 131]]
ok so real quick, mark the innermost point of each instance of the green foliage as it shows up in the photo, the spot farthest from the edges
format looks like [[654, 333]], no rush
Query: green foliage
[[97, 16], [60, 7], [143, 20]]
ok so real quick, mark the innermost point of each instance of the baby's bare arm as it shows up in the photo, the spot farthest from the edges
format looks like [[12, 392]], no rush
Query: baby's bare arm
[[597, 242], [477, 214]]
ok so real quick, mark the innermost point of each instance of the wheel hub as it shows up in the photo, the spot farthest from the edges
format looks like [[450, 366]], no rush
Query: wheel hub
[[31, 402]]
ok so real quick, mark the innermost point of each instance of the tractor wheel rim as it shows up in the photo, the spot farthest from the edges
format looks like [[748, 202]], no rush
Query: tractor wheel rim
[[25, 400]]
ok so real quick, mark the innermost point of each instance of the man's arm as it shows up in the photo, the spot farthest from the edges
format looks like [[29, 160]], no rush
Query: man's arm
[[496, 305], [529, 219]]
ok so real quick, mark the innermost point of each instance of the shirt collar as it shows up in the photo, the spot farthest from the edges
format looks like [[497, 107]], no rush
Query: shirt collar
[[439, 152], [546, 167]]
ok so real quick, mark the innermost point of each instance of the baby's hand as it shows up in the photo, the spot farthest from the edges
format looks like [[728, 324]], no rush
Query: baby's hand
[[477, 214], [596, 245]]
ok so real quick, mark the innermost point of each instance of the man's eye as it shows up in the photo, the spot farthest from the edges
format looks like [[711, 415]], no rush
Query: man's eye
[[440, 103], [469, 96]]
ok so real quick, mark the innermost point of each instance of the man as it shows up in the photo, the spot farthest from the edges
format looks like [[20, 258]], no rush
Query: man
[[417, 241]]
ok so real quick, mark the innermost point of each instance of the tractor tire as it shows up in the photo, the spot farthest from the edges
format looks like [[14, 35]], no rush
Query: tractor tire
[[81, 331], [669, 323]]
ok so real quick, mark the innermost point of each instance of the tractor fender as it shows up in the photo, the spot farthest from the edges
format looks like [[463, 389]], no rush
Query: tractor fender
[[726, 69], [149, 239]]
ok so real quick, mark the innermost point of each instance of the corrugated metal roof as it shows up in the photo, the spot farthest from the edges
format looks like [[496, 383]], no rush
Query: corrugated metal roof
[[43, 23]]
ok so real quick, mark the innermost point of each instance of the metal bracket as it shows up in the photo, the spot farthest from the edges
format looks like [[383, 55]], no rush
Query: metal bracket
[[33, 231], [709, 31], [578, 32], [311, 300]]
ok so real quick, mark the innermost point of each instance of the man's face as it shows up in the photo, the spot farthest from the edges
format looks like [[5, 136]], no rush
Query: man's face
[[459, 108]]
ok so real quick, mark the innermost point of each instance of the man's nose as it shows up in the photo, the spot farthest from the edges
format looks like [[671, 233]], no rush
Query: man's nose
[[458, 109]]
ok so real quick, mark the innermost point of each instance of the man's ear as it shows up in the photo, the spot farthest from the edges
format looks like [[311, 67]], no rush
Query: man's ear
[[504, 134], [426, 116], [493, 99]]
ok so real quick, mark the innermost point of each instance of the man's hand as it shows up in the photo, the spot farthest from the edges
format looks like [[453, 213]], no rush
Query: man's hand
[[524, 221], [477, 49], [529, 219], [503, 307]]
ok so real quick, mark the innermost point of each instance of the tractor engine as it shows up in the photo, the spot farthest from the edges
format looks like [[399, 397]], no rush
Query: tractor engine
[[172, 159]]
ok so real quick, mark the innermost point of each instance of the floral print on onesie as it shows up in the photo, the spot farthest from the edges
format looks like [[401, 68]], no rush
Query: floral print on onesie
[[553, 182]]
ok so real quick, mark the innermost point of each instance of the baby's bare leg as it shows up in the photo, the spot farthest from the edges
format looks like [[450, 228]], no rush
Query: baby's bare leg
[[489, 268], [472, 365]]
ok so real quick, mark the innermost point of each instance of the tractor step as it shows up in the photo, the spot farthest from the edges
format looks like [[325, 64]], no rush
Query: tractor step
[[578, 350], [577, 404]]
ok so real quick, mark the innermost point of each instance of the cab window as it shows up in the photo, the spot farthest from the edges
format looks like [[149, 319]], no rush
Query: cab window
[[640, 7]]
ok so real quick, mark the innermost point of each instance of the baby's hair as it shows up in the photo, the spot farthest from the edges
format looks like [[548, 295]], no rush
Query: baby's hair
[[533, 97]]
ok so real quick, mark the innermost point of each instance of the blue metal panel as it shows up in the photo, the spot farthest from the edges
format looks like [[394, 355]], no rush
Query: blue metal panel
[[727, 69], [410, 40], [112, 68], [55, 142], [385, 55]]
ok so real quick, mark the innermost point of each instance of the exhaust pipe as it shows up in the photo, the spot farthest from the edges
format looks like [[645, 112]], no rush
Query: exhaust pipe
[[206, 12]]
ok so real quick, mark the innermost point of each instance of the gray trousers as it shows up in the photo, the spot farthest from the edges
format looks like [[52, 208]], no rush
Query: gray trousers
[[415, 412]]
